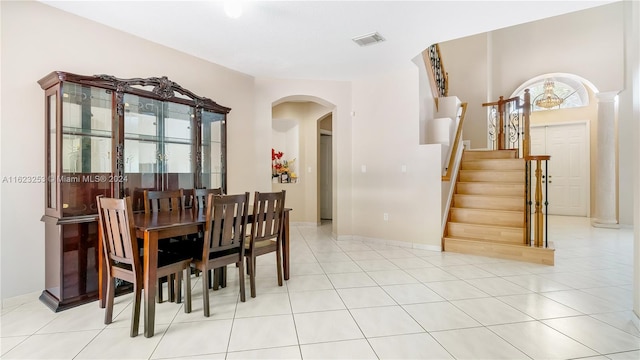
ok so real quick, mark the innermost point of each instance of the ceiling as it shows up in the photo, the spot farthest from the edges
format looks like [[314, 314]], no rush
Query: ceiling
[[312, 39]]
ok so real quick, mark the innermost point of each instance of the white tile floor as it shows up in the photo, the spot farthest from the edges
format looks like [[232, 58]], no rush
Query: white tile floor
[[353, 300]]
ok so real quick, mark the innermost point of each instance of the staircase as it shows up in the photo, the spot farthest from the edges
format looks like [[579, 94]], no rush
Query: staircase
[[487, 215]]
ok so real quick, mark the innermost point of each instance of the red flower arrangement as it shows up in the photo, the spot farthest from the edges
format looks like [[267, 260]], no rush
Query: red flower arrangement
[[276, 162], [279, 167]]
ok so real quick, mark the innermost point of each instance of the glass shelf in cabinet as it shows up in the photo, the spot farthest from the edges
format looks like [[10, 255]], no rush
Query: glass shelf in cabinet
[[70, 130]]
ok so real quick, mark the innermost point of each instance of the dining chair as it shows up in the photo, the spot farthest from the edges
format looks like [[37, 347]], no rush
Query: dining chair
[[266, 232], [163, 201], [200, 196], [196, 199], [223, 243], [123, 259], [137, 197]]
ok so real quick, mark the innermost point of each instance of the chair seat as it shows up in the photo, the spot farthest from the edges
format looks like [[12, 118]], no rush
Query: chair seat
[[261, 244], [189, 247], [218, 255], [192, 248], [166, 258]]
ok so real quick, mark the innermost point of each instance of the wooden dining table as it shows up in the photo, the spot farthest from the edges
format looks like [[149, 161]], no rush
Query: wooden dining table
[[153, 227]]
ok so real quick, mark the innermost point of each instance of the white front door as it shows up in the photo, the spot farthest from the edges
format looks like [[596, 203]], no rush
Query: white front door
[[568, 169]]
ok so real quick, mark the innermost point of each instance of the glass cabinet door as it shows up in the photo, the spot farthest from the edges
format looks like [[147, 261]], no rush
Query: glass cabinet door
[[52, 140], [179, 146], [158, 144], [212, 149], [86, 148]]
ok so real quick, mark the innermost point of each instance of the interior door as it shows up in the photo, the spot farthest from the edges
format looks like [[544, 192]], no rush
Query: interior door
[[326, 191], [568, 169]]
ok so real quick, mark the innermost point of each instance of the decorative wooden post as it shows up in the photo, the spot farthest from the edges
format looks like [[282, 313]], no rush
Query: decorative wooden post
[[538, 226], [501, 145], [526, 111]]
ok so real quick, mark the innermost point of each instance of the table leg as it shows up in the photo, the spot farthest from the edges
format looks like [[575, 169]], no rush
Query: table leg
[[285, 246], [218, 279], [150, 280]]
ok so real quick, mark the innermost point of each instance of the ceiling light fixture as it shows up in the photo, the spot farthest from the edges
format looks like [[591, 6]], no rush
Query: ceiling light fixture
[[233, 9], [549, 99]]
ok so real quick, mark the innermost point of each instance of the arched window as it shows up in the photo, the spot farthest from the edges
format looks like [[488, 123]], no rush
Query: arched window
[[572, 92]]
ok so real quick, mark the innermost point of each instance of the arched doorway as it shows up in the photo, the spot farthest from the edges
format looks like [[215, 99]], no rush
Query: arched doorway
[[300, 162]]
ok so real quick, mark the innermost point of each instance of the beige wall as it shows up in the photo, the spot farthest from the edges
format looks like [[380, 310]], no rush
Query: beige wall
[[37, 39], [384, 139], [588, 43], [466, 62], [302, 196]]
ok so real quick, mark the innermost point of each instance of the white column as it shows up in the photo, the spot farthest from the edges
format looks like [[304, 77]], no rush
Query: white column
[[632, 55], [606, 214]]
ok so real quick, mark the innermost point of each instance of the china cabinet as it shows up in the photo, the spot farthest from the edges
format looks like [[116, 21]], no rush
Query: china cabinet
[[116, 137]]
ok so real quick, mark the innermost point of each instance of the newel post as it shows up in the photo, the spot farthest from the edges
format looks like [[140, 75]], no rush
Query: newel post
[[538, 225]]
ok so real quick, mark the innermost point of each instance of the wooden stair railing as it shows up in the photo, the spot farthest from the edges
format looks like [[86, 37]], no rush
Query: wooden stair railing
[[509, 123], [509, 128], [438, 77], [492, 210]]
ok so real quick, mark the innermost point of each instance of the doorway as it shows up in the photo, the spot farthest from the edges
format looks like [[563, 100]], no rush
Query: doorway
[[326, 191], [325, 173], [568, 169]]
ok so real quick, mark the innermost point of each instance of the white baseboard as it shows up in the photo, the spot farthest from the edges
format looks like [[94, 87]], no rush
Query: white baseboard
[[402, 244], [303, 223]]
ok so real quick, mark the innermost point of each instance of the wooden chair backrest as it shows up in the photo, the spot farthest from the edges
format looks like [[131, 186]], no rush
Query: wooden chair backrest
[[163, 200], [225, 224], [268, 215], [137, 197], [200, 196], [115, 222]]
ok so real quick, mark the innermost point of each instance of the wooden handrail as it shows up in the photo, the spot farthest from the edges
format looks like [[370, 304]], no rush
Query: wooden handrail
[[538, 157], [456, 144]]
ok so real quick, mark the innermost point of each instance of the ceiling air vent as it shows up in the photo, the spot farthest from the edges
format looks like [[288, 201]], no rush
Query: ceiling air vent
[[368, 39]]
